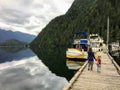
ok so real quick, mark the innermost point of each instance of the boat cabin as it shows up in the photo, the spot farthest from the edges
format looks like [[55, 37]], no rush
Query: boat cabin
[[96, 42]]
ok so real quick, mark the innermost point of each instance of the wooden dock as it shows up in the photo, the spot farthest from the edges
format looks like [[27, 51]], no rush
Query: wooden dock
[[108, 79]]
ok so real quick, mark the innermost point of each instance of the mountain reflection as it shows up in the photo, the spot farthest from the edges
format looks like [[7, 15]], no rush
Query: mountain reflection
[[10, 49], [14, 53], [55, 60]]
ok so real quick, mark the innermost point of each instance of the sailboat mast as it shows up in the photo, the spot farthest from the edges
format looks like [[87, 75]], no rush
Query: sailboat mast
[[107, 31]]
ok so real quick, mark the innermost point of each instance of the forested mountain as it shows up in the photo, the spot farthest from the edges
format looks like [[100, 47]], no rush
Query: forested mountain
[[83, 15]]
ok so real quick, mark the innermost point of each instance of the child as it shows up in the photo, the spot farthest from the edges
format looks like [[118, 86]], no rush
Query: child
[[99, 64]]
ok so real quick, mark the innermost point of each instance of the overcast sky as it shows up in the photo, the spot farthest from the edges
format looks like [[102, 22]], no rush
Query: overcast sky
[[30, 16]]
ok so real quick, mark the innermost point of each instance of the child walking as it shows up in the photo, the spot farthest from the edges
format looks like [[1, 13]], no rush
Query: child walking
[[99, 64]]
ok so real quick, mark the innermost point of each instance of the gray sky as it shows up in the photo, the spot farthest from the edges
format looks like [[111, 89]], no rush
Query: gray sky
[[30, 16]]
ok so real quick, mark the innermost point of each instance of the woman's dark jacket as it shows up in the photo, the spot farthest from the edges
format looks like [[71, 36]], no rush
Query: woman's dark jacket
[[91, 56]]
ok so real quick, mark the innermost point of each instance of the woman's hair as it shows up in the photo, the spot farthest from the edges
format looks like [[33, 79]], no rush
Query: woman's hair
[[90, 50]]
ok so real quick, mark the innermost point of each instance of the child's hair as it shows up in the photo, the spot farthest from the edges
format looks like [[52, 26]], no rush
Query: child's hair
[[98, 57]]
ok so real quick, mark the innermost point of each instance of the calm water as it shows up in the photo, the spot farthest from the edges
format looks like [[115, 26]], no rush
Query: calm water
[[37, 69], [116, 56], [43, 69]]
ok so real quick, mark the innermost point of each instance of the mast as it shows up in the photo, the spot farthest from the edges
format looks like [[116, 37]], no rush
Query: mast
[[107, 31]]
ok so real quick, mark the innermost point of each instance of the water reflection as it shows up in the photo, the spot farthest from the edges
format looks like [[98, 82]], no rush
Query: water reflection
[[12, 49], [116, 56], [25, 71], [74, 65], [55, 60], [7, 54]]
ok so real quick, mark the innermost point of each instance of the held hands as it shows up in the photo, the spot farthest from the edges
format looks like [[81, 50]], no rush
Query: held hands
[[95, 59]]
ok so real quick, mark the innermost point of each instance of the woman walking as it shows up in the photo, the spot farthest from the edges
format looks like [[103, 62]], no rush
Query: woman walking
[[91, 58]]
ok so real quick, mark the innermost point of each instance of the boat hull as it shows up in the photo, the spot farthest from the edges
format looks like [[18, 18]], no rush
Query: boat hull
[[75, 54]]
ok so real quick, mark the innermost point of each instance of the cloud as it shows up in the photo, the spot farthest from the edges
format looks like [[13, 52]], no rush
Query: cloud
[[30, 16]]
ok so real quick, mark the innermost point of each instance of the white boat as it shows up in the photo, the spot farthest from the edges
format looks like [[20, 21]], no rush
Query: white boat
[[114, 47], [96, 42]]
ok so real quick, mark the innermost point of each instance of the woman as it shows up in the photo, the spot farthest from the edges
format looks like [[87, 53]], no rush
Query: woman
[[91, 58]]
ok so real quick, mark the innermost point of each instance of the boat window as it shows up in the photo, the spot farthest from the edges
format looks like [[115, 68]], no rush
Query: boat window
[[101, 44], [93, 37], [95, 44], [84, 47]]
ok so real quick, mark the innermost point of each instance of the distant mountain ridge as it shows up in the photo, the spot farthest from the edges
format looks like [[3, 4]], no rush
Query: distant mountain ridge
[[7, 35]]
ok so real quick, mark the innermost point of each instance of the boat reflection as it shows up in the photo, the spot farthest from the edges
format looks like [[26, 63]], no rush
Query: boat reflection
[[74, 65]]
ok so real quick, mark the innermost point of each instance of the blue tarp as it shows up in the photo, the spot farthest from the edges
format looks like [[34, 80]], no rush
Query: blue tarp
[[83, 41], [79, 33]]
